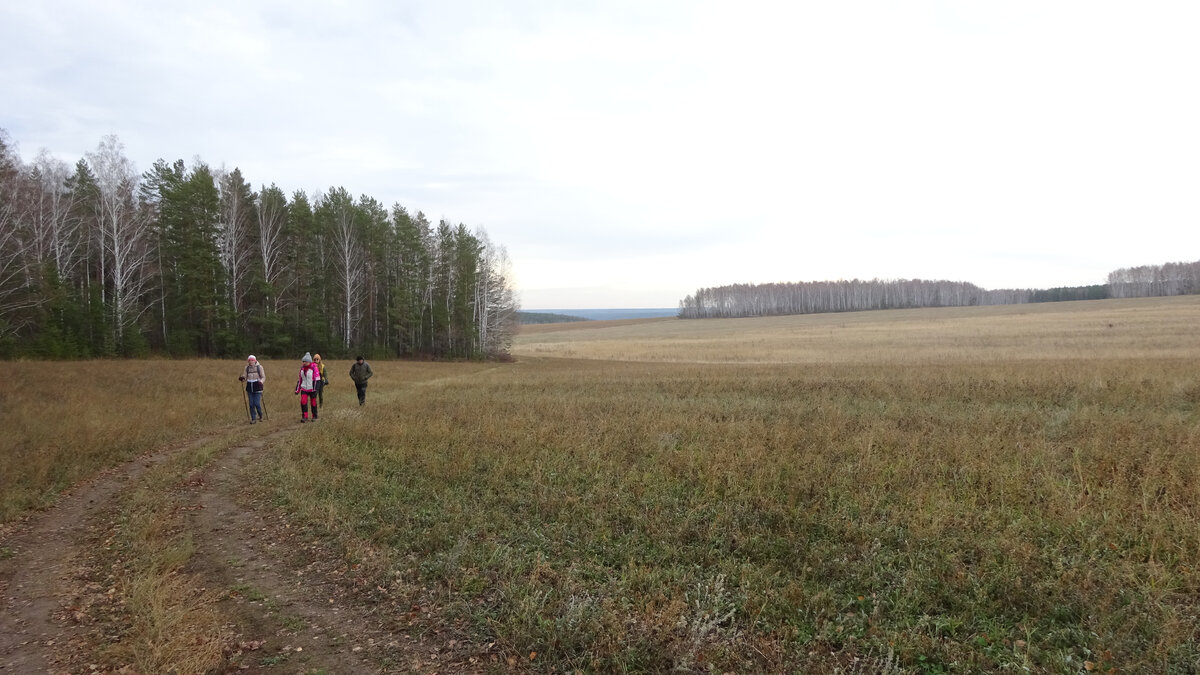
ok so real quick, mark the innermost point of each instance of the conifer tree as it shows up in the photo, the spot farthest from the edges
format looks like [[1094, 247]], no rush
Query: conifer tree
[[101, 261]]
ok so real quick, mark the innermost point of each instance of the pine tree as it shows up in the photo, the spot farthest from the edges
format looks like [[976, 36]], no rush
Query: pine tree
[[193, 279], [101, 261]]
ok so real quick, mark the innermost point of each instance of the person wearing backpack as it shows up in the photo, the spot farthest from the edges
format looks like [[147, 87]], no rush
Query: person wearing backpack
[[360, 372], [306, 387], [254, 376]]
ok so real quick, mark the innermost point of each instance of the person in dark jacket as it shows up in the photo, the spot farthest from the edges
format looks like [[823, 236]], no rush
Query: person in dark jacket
[[360, 372]]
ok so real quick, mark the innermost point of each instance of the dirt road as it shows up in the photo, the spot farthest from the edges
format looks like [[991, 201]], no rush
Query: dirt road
[[289, 604]]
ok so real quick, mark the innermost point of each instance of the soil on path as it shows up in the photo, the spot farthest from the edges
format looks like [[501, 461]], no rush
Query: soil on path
[[289, 610], [42, 555], [292, 607]]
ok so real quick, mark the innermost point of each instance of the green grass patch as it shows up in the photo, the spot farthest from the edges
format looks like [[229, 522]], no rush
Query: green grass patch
[[651, 517]]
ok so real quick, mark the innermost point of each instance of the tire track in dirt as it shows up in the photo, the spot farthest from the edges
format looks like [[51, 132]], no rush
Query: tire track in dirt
[[43, 553], [296, 608], [289, 599], [289, 612]]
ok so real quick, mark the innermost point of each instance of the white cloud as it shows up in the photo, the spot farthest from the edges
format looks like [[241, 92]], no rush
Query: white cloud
[[621, 146]]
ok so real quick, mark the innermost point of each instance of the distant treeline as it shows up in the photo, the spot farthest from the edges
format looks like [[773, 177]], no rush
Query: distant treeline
[[98, 260], [535, 318], [814, 297], [1064, 293], [744, 300], [1178, 278]]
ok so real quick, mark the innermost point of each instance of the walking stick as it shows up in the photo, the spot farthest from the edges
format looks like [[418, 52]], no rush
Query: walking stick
[[246, 399], [262, 403]]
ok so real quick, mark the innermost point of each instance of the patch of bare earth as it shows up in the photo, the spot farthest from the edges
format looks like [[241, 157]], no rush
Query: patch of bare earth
[[42, 627], [292, 605]]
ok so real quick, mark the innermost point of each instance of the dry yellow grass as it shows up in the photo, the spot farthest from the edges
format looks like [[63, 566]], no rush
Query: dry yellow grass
[[1105, 329], [65, 421]]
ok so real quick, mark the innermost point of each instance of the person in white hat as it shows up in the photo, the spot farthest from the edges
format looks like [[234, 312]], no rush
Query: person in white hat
[[254, 376], [306, 387]]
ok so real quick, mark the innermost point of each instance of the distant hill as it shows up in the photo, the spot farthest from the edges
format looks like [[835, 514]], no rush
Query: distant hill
[[534, 318]]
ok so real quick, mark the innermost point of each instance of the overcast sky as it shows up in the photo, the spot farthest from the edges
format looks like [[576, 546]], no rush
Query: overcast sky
[[627, 153]]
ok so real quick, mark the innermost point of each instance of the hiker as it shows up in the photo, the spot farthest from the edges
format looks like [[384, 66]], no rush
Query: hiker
[[322, 379], [254, 376], [360, 372], [306, 387]]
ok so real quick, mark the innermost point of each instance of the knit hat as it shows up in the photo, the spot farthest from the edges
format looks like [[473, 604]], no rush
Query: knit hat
[[251, 358], [307, 358]]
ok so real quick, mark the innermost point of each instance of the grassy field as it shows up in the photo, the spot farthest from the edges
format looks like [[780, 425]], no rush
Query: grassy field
[[958, 490], [938, 490], [1108, 329], [65, 422]]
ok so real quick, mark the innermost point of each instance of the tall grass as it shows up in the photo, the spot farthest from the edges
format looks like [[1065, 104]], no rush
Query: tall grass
[[630, 516]]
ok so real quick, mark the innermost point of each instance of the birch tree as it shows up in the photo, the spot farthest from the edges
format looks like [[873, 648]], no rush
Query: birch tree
[[1178, 278], [233, 230], [271, 212], [124, 232], [743, 300], [15, 293], [55, 223], [338, 210], [86, 257], [495, 302]]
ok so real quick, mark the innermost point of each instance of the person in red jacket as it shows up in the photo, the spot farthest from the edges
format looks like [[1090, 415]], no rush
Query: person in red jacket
[[306, 387]]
